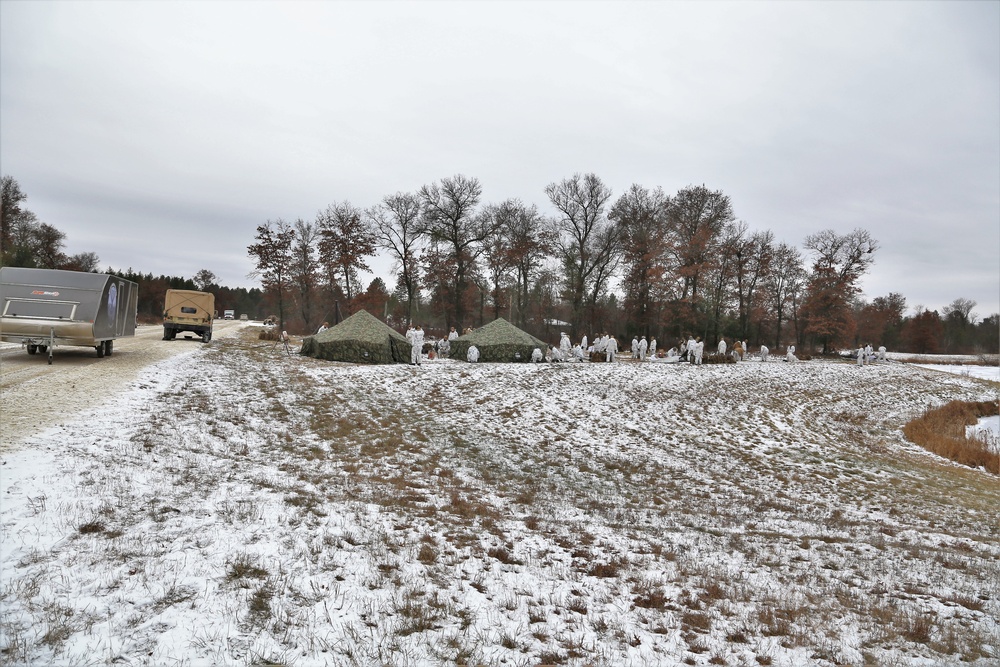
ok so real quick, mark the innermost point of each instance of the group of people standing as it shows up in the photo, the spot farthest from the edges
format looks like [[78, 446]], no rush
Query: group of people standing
[[415, 336], [867, 355], [605, 348], [692, 350], [641, 349]]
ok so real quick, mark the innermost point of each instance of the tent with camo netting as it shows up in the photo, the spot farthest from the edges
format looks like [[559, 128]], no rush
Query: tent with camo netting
[[497, 341], [361, 338]]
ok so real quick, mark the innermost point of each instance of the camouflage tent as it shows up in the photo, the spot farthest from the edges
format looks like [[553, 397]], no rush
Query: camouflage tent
[[497, 341], [361, 338]]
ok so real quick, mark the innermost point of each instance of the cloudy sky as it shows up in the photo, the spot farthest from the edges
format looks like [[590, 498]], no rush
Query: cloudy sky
[[161, 134]]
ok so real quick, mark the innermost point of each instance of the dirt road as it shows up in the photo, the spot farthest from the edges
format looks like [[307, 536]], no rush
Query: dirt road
[[35, 395]]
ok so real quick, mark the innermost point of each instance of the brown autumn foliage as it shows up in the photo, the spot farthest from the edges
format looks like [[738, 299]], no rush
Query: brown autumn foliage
[[942, 431]]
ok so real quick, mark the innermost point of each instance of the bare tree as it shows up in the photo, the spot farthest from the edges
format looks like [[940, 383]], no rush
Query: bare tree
[[784, 282], [346, 241], [87, 262], [719, 276], [958, 321], [586, 242], [456, 233], [531, 241], [273, 256], [26, 241], [304, 271], [752, 257], [11, 214], [641, 216], [960, 308], [204, 279], [839, 262], [48, 244], [696, 218], [498, 253], [396, 225]]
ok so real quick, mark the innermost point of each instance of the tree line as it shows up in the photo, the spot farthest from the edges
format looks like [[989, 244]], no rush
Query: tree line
[[644, 263]]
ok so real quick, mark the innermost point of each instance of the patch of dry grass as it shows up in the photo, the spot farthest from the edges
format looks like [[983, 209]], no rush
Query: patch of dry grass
[[942, 431]]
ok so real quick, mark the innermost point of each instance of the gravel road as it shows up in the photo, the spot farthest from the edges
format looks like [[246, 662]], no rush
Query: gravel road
[[35, 396]]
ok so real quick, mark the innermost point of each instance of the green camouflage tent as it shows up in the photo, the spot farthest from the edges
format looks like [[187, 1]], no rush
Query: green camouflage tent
[[361, 338], [497, 341]]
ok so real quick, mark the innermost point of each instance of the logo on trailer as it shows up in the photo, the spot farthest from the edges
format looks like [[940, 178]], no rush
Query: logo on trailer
[[39, 292]]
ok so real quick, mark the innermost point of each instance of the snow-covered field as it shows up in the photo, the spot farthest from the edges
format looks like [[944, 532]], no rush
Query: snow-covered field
[[238, 506]]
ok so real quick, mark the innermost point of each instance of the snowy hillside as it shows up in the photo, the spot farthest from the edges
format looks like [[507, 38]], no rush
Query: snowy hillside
[[240, 506]]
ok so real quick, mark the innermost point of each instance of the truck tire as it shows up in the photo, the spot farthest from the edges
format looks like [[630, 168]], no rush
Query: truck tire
[[32, 349], [205, 337], [166, 333], [43, 348], [100, 350], [109, 346]]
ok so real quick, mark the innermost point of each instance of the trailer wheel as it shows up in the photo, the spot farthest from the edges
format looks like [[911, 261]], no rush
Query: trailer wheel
[[32, 349], [100, 350], [109, 346], [43, 348]]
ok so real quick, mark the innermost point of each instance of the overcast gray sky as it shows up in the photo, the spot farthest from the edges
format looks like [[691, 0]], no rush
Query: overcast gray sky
[[161, 134]]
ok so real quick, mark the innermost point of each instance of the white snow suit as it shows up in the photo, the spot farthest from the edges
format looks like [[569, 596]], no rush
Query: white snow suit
[[610, 348], [416, 352]]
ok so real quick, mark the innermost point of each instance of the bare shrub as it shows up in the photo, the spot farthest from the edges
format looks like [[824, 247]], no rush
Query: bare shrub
[[504, 555], [578, 604], [608, 569], [697, 621], [91, 527], [260, 601], [653, 598], [244, 566], [427, 554], [917, 628]]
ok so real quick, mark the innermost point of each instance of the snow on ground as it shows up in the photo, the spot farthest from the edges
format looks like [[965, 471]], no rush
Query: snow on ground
[[982, 372], [238, 506]]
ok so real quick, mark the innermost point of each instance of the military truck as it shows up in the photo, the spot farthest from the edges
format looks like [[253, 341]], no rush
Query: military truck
[[188, 310]]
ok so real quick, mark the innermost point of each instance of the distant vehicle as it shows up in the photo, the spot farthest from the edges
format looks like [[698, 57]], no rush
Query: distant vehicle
[[42, 308], [188, 310], [228, 314], [243, 316]]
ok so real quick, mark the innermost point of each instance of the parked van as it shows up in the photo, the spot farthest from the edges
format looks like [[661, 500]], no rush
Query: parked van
[[228, 315], [188, 310]]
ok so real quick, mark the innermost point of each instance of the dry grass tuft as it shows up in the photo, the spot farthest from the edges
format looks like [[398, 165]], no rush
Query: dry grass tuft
[[942, 431]]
